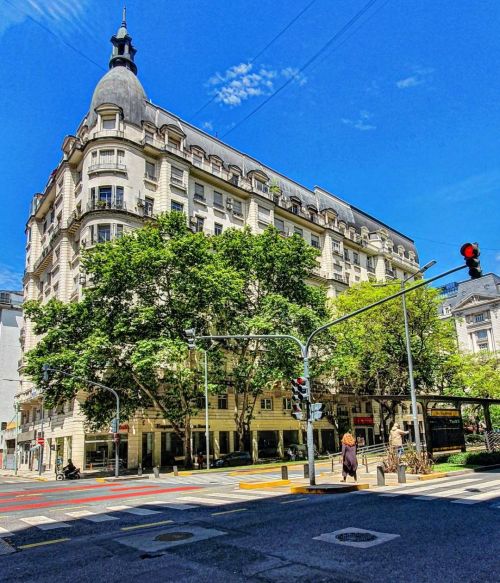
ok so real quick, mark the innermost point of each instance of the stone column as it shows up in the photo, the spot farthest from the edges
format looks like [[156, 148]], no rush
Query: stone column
[[157, 448], [255, 445], [281, 444]]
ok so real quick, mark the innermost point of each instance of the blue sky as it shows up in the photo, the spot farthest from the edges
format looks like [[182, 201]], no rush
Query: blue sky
[[400, 117]]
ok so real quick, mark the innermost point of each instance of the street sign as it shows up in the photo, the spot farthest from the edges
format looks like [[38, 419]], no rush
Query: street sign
[[317, 410], [40, 440], [114, 426]]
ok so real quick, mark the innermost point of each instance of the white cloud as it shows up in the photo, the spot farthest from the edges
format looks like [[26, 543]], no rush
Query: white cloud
[[419, 76], [293, 73], [497, 258], [63, 16], [207, 125], [479, 186], [242, 82], [362, 122], [10, 279]]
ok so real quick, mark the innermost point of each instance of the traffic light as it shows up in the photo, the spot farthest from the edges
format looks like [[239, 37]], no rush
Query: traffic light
[[471, 253], [191, 338], [297, 411], [300, 389], [317, 410]]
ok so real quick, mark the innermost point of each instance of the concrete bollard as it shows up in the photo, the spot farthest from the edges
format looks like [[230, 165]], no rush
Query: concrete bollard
[[380, 476], [284, 472], [365, 461], [176, 471], [306, 470], [333, 462], [156, 471], [139, 471], [401, 474]]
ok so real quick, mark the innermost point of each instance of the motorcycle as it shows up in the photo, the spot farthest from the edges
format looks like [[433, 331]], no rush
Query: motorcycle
[[67, 475]]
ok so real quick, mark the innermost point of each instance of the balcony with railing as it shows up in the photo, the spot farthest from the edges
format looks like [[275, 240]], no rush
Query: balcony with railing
[[103, 205], [109, 134], [104, 167]]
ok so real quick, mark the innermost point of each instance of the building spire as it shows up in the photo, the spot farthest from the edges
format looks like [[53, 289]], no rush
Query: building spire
[[123, 51]]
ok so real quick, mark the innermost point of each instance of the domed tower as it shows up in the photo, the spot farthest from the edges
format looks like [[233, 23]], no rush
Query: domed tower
[[120, 85]]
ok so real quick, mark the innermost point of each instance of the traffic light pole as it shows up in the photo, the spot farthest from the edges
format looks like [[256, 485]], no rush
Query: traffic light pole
[[47, 368], [304, 350]]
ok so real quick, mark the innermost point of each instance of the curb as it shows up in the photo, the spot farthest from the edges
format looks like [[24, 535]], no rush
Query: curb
[[461, 472], [328, 489], [257, 485]]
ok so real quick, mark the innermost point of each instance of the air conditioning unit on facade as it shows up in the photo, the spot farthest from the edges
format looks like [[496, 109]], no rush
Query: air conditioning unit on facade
[[140, 202], [229, 203]]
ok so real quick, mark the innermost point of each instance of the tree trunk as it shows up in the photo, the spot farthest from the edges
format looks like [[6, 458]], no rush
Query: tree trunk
[[188, 450]]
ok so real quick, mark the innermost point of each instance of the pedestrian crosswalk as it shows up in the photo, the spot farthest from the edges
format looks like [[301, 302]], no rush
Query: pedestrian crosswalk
[[98, 514], [467, 490]]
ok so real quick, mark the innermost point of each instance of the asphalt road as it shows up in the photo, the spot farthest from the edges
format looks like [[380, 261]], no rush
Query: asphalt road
[[440, 531]]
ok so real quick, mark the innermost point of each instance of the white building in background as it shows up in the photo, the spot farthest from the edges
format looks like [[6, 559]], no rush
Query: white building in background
[[474, 306], [129, 160]]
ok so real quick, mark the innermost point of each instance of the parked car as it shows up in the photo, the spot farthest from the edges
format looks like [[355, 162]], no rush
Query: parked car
[[236, 458]]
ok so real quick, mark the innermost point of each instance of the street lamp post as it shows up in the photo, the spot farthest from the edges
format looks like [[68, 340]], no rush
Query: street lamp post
[[304, 349], [46, 368], [207, 427], [413, 394], [42, 446]]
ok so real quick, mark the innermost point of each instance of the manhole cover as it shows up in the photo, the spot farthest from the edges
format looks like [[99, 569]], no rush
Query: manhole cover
[[356, 537], [174, 536]]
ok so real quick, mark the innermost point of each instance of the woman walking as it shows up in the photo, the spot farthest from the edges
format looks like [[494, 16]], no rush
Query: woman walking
[[349, 459]]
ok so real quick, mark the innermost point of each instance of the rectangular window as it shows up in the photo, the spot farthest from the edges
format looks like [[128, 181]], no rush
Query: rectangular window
[[336, 247], [177, 206], [108, 123], [199, 222], [197, 159], [199, 191], [150, 170], [368, 407], [482, 334], [148, 206], [119, 231], [218, 229], [264, 215], [103, 233], [280, 225], [224, 441], [106, 157], [177, 176], [369, 262], [347, 257], [479, 318], [261, 186], [355, 258], [295, 209], [222, 401], [298, 231], [119, 197], [218, 199], [287, 404], [215, 168], [315, 241], [120, 157], [237, 208], [105, 196], [266, 404], [174, 143], [483, 346]]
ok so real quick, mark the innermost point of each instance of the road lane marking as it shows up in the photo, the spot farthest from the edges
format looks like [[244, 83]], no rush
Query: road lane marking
[[294, 500], [453, 492], [437, 485], [4, 532], [43, 543], [148, 525], [92, 516], [44, 522], [236, 496], [208, 501], [229, 511]]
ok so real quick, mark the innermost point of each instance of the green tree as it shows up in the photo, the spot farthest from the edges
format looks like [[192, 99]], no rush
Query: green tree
[[369, 354], [145, 289]]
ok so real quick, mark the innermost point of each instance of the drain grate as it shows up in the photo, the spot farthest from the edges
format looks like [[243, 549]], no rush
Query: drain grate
[[355, 537], [174, 536]]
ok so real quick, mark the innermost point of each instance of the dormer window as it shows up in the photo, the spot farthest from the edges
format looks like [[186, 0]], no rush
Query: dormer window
[[197, 159], [216, 167], [174, 142], [109, 123], [261, 186], [295, 208]]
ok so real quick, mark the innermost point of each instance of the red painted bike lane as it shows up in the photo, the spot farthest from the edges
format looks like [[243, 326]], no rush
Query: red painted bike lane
[[145, 491]]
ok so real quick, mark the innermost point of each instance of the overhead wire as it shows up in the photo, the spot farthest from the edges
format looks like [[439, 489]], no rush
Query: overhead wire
[[58, 37], [261, 52], [309, 62]]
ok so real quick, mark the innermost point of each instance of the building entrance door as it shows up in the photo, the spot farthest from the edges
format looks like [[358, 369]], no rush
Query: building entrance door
[[365, 435]]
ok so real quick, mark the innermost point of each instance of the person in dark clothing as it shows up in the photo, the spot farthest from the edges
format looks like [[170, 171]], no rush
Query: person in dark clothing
[[349, 459]]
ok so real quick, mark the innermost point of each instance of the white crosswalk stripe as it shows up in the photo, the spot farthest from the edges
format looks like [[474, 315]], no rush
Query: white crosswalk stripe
[[92, 516], [171, 505], [453, 492], [5, 532], [480, 497], [208, 501], [44, 522], [133, 510], [441, 484]]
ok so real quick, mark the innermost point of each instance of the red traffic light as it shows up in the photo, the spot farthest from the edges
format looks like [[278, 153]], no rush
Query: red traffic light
[[300, 381], [469, 250]]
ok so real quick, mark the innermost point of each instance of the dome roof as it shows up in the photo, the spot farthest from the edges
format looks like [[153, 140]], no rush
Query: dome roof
[[120, 87]]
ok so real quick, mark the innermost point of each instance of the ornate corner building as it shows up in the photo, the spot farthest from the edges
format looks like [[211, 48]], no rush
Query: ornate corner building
[[130, 160]]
